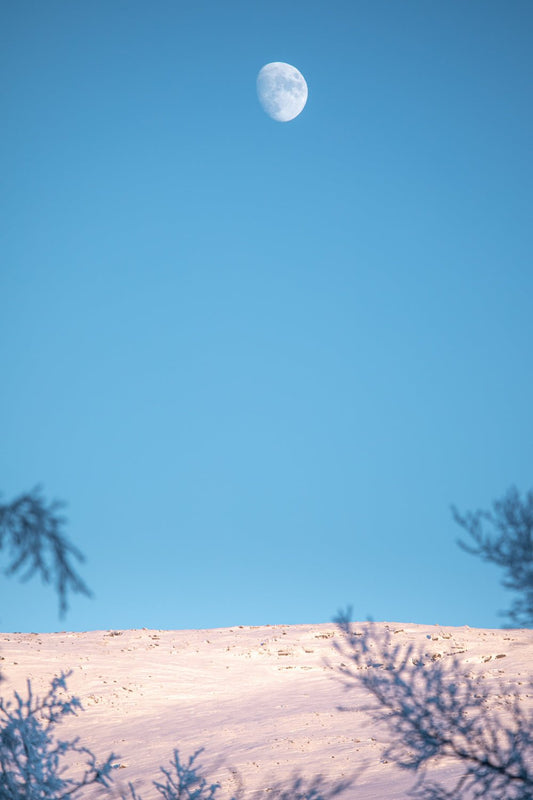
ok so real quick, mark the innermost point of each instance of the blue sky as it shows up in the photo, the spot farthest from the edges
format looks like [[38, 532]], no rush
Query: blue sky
[[260, 360]]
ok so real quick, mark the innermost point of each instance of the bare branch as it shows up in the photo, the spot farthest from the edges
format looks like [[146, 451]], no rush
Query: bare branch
[[434, 711], [504, 536], [31, 533]]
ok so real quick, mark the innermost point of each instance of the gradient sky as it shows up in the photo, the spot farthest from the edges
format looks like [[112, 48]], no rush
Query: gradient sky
[[260, 360]]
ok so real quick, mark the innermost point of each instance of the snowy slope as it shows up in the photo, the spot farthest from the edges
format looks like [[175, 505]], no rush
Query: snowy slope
[[263, 702]]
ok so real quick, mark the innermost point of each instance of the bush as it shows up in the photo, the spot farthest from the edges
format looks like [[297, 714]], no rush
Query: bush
[[33, 762]]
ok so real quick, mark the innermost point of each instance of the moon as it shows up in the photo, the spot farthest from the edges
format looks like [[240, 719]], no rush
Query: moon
[[282, 90]]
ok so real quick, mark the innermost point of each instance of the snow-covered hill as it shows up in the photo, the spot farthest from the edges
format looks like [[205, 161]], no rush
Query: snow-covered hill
[[263, 702]]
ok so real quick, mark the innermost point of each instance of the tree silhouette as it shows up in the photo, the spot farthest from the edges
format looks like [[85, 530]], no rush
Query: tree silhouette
[[31, 531], [504, 536], [436, 715], [33, 761], [435, 712]]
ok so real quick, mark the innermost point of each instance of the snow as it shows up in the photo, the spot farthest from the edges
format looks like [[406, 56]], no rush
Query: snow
[[263, 702]]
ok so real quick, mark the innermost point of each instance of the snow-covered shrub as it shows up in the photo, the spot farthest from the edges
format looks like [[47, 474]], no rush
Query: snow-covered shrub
[[185, 782], [182, 781], [34, 763]]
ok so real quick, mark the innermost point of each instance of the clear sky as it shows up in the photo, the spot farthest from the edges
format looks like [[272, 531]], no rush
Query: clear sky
[[260, 360]]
